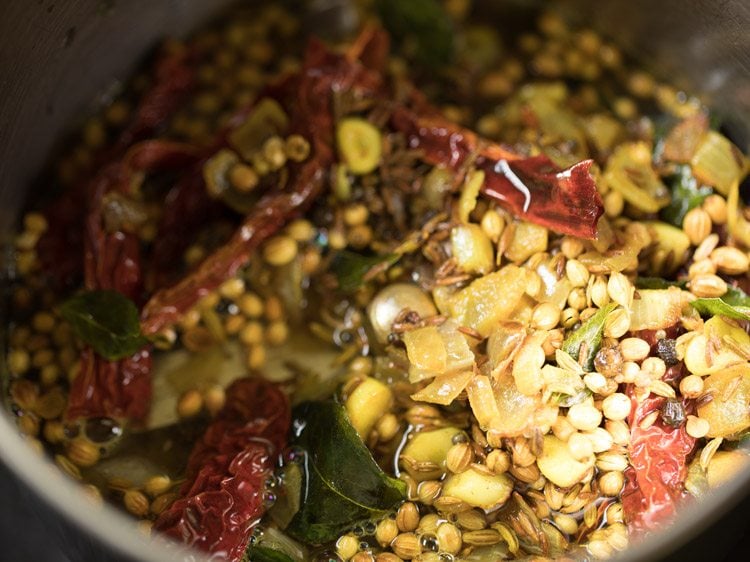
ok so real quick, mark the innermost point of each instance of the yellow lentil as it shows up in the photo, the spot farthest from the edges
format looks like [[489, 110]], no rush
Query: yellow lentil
[[563, 428], [654, 367], [301, 230], [189, 404], [94, 134], [355, 214], [545, 316], [232, 288], [273, 309], [18, 361], [387, 427], [157, 485], [310, 261], [277, 333], [42, 358], [566, 523], [274, 153], [250, 305], [214, 398], [43, 322], [716, 207], [252, 333], [256, 357], [54, 431], [197, 339], [234, 324], [279, 250], [35, 222], [359, 236], [613, 203]]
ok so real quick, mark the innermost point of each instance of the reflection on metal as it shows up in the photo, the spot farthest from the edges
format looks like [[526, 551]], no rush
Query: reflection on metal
[[44, 84]]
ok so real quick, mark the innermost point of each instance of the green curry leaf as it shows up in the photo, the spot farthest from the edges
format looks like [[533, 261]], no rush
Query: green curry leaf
[[657, 283], [272, 545], [107, 321], [352, 269], [736, 297], [265, 554], [591, 333], [687, 194], [422, 27], [714, 307], [568, 400], [342, 483]]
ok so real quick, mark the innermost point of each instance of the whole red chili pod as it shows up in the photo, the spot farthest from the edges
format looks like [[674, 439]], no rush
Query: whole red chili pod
[[60, 248], [112, 260], [224, 495], [532, 188], [659, 456]]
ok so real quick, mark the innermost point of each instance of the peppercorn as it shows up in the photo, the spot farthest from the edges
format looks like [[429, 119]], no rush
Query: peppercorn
[[666, 349], [673, 412]]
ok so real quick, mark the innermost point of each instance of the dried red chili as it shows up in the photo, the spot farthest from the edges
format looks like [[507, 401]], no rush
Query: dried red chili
[[174, 78], [187, 206], [533, 188], [223, 497], [61, 247], [658, 457], [112, 260]]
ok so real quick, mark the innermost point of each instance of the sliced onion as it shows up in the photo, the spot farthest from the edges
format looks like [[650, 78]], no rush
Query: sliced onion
[[656, 309], [683, 140], [718, 163], [482, 400], [629, 171], [435, 351], [444, 389]]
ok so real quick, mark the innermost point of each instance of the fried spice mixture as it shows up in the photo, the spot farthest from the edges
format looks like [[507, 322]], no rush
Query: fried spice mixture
[[437, 291]]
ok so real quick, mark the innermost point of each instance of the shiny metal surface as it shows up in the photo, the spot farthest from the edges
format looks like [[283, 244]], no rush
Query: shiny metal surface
[[55, 57], [702, 46]]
